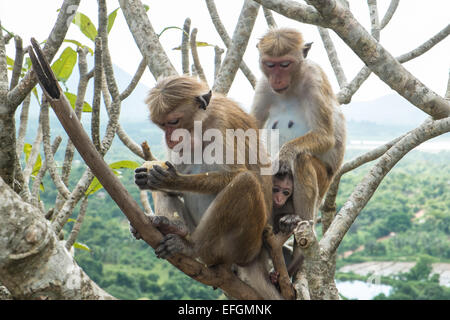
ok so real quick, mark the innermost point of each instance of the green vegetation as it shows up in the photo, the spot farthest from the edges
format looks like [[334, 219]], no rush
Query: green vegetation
[[128, 269]]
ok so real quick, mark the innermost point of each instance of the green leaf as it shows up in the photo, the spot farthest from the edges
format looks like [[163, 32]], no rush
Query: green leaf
[[85, 24], [93, 187], [41, 187], [27, 149], [35, 93], [71, 220], [168, 28], [81, 246], [79, 44], [63, 67], [146, 7], [124, 164], [9, 61], [73, 98], [111, 18], [198, 44], [37, 166]]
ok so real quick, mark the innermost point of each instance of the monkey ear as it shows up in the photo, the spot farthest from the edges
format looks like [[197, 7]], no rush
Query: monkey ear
[[203, 100], [306, 48]]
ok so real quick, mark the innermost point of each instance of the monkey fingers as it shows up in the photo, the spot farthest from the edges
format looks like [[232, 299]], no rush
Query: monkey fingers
[[288, 223], [135, 233], [274, 276], [166, 226], [172, 244], [141, 178]]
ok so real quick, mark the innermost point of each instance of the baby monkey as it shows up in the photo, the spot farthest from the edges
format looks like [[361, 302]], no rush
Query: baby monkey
[[284, 218]]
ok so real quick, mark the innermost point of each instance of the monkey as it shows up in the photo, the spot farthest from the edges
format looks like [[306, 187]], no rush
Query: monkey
[[228, 205], [295, 97]]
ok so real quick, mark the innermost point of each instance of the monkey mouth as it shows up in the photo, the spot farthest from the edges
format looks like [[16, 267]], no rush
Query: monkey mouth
[[281, 90]]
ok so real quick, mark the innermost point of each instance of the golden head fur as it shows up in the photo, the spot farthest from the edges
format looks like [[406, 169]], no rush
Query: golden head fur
[[278, 42], [171, 92]]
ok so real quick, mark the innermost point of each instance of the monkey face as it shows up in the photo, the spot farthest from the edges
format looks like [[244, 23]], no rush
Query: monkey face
[[279, 71], [281, 191]]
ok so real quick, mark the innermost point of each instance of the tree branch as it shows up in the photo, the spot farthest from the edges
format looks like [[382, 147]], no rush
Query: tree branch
[[185, 46], [146, 38], [236, 51], [374, 20], [389, 13], [364, 191], [220, 28], [195, 57], [332, 56]]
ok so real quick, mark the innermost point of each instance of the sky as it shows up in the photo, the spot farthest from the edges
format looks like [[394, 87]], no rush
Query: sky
[[414, 22]]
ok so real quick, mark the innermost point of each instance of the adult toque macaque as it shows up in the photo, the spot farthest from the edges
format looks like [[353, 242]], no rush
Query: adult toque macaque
[[294, 96], [225, 207]]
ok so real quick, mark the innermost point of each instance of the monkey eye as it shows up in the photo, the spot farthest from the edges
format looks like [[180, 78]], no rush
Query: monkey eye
[[285, 64], [275, 190], [173, 122], [286, 193], [269, 64]]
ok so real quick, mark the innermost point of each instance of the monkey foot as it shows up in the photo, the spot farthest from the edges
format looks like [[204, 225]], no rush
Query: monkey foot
[[172, 244], [274, 276], [288, 223], [135, 233], [166, 226]]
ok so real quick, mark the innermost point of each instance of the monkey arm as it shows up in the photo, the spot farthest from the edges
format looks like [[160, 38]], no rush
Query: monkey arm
[[209, 182], [261, 103]]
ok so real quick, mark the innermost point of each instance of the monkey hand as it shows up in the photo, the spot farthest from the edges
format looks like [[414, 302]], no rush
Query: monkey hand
[[288, 223], [159, 178], [172, 244], [286, 158]]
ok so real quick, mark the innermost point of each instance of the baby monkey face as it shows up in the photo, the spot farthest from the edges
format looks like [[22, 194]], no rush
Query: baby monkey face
[[281, 191]]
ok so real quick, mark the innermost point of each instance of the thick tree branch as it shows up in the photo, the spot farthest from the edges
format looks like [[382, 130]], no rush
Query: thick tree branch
[[364, 191], [236, 51], [33, 263], [220, 28], [146, 38], [269, 18], [389, 13]]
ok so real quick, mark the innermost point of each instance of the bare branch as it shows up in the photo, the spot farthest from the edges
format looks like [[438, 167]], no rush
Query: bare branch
[[332, 56], [346, 93], [269, 18], [98, 74], [217, 60], [220, 28], [447, 94], [18, 62], [295, 10], [374, 20], [23, 125], [32, 157], [379, 60], [3, 68], [195, 57], [38, 179], [185, 46], [364, 191], [54, 41], [389, 13], [134, 82], [236, 51], [77, 226], [427, 45], [146, 38], [51, 164]]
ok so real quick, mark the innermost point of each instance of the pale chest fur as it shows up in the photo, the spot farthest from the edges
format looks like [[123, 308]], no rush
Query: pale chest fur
[[289, 117]]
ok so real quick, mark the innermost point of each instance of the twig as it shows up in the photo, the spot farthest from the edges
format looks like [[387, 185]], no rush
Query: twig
[[217, 60], [195, 58], [269, 18], [389, 13], [185, 46], [98, 74], [77, 226], [374, 21], [332, 56], [134, 81], [18, 62]]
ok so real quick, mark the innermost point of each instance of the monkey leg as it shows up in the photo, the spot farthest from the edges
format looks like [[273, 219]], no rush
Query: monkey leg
[[231, 229], [311, 181]]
